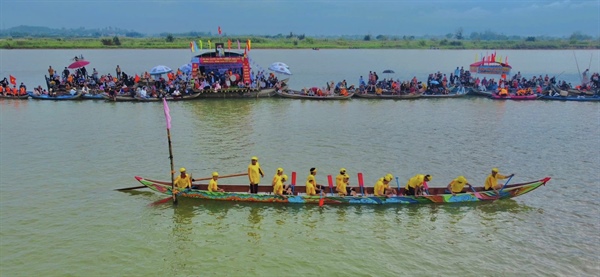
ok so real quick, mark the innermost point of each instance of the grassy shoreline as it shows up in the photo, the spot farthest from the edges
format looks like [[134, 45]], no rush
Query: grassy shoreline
[[292, 43]]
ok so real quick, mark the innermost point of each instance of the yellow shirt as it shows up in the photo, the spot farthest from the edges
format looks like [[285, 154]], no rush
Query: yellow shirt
[[183, 182], [379, 189], [415, 181], [311, 185], [456, 187], [278, 188], [339, 180], [276, 178], [492, 181], [254, 173], [212, 185]]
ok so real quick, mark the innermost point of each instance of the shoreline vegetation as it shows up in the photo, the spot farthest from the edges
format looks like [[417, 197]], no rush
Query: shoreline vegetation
[[257, 42]]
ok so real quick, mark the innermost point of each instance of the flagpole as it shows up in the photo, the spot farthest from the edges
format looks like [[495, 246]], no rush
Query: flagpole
[[168, 119], [172, 169]]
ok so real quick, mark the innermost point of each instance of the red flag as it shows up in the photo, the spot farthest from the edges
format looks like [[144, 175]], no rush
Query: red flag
[[229, 44], [137, 79], [13, 80], [167, 113], [219, 30]]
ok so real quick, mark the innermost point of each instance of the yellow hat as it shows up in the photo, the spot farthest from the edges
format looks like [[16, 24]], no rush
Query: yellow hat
[[461, 179], [284, 177], [215, 174], [342, 170], [254, 158], [313, 169], [495, 169], [182, 169], [390, 175], [280, 169], [428, 177], [387, 178]]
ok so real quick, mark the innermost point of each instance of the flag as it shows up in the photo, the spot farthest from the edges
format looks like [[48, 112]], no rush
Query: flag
[[167, 113], [137, 79], [229, 44], [239, 45], [200, 44], [249, 44], [13, 80], [219, 30], [193, 46]]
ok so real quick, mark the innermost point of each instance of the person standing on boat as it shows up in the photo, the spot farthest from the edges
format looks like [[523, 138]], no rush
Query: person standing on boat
[[414, 186], [118, 70], [312, 188], [254, 174], [491, 182], [50, 72], [183, 181], [212, 185], [457, 185]]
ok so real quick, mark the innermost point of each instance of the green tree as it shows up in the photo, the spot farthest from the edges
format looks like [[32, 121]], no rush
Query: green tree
[[170, 38], [459, 33], [367, 38], [116, 41]]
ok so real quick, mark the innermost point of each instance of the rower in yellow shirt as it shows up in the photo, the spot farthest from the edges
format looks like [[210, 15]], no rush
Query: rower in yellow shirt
[[182, 181], [457, 185], [382, 186], [278, 188], [491, 182], [341, 184], [414, 186], [312, 188], [212, 185], [277, 176]]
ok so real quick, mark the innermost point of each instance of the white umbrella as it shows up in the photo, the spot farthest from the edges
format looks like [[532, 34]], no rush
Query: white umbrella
[[160, 69], [279, 64], [280, 69]]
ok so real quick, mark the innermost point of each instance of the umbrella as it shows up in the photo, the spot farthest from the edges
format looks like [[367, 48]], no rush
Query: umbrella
[[388, 71], [278, 64], [434, 82], [280, 69], [78, 64], [186, 68], [160, 69]]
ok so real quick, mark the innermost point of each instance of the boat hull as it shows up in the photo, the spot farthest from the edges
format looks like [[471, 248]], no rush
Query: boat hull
[[298, 95], [509, 192]]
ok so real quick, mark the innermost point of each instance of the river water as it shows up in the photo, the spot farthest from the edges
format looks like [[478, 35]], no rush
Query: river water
[[60, 161]]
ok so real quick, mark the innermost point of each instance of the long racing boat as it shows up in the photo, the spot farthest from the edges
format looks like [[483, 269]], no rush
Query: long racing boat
[[240, 193]]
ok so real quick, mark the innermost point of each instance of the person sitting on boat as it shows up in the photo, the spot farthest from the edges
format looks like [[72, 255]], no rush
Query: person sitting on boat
[[415, 185], [254, 174], [277, 176], [341, 184], [312, 188], [457, 185], [280, 189], [491, 182], [183, 181], [382, 187], [212, 185], [176, 93]]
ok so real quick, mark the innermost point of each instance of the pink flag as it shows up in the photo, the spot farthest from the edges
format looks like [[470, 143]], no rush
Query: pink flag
[[239, 44], [167, 113]]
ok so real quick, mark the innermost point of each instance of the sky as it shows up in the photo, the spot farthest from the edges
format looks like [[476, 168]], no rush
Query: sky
[[312, 17]]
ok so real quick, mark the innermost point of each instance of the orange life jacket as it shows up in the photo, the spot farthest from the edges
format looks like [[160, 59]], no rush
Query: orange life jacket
[[22, 91]]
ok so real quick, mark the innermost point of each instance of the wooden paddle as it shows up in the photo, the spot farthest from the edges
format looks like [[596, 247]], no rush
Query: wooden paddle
[[361, 183], [330, 181], [477, 194], [293, 182], [168, 183], [500, 191]]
